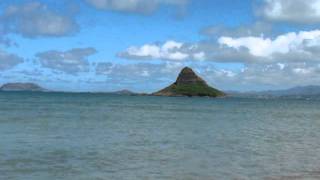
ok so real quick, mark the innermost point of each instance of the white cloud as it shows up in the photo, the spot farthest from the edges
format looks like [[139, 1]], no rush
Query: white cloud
[[225, 73], [135, 6], [71, 61], [301, 46], [281, 66], [285, 44], [34, 19], [257, 46], [302, 71], [167, 51], [199, 56], [147, 50], [293, 11]]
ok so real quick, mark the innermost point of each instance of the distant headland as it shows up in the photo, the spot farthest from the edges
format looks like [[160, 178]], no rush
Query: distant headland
[[22, 87]]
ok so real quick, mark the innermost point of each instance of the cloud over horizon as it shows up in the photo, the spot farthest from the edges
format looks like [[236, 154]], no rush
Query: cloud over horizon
[[71, 61], [270, 75]]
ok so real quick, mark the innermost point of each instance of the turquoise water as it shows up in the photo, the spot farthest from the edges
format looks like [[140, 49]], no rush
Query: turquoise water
[[52, 136]]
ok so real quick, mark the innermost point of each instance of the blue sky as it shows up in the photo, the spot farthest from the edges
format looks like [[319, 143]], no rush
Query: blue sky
[[141, 45]]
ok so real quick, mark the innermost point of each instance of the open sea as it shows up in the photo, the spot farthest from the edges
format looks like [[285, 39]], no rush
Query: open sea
[[61, 136]]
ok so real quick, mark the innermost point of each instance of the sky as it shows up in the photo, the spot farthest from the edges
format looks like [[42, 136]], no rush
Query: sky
[[141, 45]]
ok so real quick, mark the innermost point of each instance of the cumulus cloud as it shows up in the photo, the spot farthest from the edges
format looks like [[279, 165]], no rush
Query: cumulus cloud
[[8, 61], [290, 47], [301, 46], [178, 51], [71, 61], [34, 19], [134, 6], [168, 51], [292, 11]]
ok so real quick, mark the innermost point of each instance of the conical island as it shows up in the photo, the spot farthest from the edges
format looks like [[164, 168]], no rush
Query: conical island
[[189, 83]]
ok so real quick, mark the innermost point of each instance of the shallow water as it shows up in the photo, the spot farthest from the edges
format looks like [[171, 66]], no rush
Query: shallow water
[[97, 136]]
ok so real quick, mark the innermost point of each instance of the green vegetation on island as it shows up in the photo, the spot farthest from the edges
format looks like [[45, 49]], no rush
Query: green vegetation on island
[[189, 84]]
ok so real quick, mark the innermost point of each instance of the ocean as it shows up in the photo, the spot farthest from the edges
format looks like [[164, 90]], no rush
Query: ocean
[[61, 136]]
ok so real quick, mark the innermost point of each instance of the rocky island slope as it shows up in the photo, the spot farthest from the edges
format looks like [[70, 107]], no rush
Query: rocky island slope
[[189, 84]]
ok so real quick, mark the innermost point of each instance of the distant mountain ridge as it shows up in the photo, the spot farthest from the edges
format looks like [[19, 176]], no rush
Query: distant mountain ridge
[[124, 92], [22, 87], [311, 90], [299, 90]]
